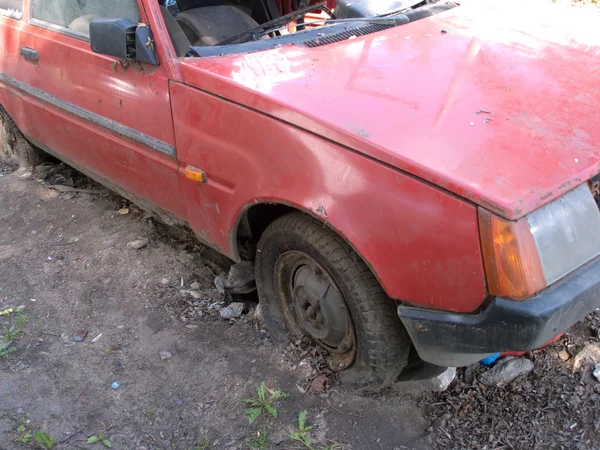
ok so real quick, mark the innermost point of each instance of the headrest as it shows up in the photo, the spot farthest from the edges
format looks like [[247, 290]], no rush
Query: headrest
[[185, 5]]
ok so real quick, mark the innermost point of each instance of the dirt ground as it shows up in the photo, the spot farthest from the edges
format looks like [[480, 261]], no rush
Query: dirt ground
[[66, 266], [64, 256]]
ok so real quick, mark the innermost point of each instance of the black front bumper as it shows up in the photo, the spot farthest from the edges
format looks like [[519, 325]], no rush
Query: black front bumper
[[450, 339]]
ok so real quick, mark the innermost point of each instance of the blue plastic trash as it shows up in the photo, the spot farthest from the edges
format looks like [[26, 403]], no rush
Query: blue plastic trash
[[490, 359]]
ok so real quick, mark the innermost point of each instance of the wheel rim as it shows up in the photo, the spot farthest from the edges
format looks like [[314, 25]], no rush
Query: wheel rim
[[313, 305]]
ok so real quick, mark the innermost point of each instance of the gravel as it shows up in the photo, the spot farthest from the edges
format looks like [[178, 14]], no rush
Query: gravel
[[552, 407]]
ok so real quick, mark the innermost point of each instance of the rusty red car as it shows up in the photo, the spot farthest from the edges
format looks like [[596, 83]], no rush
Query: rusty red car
[[408, 176]]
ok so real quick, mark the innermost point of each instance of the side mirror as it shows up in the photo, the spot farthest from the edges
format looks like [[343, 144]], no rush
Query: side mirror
[[124, 39]]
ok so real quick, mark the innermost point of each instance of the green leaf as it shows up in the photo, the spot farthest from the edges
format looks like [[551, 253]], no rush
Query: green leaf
[[262, 391], [21, 428], [93, 439], [249, 401], [271, 410], [277, 395], [107, 443], [252, 414], [302, 419]]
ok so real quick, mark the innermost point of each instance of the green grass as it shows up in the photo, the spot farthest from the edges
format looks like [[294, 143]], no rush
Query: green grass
[[11, 330], [263, 402], [44, 440]]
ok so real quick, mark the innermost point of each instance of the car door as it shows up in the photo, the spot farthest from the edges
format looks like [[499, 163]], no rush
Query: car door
[[105, 116]]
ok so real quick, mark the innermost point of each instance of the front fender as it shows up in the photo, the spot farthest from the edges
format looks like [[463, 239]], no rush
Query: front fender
[[421, 242]]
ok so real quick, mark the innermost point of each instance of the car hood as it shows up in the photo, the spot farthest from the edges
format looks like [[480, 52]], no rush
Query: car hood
[[497, 102]]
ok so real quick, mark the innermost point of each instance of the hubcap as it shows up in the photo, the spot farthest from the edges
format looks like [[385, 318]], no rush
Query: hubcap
[[313, 304], [319, 306]]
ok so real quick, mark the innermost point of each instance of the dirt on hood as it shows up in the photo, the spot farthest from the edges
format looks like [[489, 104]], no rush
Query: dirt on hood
[[493, 101]]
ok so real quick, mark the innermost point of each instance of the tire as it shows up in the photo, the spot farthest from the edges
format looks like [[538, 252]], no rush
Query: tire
[[14, 146], [302, 267]]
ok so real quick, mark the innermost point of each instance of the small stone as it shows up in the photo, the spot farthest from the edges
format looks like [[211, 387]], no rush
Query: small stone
[[469, 374], [195, 286], [138, 243], [596, 372], [233, 311], [80, 335], [278, 437], [164, 355], [196, 294], [589, 354], [164, 281], [20, 308], [258, 314], [563, 355], [239, 280], [506, 371]]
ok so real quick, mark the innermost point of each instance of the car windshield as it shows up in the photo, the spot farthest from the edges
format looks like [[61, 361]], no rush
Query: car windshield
[[196, 26]]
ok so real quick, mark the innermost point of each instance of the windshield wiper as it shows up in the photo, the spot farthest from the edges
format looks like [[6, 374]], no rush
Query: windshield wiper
[[399, 19], [267, 27]]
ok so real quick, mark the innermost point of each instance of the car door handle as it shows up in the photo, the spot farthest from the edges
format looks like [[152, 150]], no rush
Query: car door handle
[[30, 54]]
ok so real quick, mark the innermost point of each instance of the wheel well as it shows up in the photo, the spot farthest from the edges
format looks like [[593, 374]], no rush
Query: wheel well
[[253, 224]]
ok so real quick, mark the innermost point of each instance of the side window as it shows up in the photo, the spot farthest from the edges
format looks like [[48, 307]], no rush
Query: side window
[[11, 8], [73, 17]]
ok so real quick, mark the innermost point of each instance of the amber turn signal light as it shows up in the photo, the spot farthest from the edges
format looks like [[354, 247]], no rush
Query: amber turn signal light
[[191, 173], [512, 263]]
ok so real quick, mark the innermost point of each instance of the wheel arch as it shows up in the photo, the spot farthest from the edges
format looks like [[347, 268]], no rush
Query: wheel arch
[[256, 216]]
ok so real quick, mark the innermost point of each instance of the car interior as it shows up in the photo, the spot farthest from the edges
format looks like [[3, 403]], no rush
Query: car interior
[[209, 22]]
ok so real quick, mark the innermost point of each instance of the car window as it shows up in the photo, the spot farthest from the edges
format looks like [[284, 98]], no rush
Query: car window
[[74, 16], [11, 8]]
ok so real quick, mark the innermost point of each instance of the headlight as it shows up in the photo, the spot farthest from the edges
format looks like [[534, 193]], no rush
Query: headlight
[[523, 257]]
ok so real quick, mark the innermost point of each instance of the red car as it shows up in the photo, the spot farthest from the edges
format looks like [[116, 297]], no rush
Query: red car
[[402, 173]]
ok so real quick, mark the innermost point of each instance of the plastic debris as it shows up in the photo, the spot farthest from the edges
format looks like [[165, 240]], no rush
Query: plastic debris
[[318, 385], [96, 338], [490, 359], [233, 311], [164, 355], [115, 385]]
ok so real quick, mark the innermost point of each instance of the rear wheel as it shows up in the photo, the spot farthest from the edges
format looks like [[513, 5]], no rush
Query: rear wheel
[[14, 146], [312, 283]]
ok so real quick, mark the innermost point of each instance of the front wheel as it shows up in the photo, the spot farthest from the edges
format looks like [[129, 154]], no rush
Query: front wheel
[[310, 282]]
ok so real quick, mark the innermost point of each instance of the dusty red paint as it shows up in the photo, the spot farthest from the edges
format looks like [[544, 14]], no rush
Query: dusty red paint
[[421, 242], [408, 96], [371, 135]]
